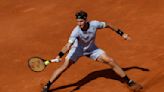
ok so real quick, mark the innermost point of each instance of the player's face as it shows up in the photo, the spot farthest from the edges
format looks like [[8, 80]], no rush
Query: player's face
[[81, 22]]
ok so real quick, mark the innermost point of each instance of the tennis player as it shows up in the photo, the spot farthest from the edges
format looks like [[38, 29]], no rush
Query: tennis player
[[82, 43]]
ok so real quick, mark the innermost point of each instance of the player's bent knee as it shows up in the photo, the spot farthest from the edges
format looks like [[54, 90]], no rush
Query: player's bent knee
[[111, 62]]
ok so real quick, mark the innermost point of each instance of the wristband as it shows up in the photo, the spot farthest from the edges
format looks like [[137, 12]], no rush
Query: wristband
[[61, 54], [119, 32]]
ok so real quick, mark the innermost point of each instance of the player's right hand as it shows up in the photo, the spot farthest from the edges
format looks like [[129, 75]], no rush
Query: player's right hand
[[57, 59]]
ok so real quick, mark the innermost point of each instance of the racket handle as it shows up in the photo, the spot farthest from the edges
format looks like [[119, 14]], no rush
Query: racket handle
[[55, 60]]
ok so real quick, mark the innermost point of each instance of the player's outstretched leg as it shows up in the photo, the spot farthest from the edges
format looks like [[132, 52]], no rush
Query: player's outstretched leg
[[118, 70], [57, 74]]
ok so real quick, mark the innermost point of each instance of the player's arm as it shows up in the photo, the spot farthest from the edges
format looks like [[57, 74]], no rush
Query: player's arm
[[117, 30], [64, 50], [67, 47]]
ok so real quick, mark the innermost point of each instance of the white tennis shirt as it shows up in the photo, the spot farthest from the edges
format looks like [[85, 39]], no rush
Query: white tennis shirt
[[86, 39]]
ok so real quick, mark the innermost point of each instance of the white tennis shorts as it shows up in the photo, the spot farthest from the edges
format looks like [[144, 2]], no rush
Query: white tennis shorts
[[75, 53]]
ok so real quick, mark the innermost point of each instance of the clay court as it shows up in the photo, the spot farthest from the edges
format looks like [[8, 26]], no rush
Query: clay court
[[42, 27]]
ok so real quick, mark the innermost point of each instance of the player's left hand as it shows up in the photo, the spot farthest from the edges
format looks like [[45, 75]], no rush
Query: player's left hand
[[126, 36]]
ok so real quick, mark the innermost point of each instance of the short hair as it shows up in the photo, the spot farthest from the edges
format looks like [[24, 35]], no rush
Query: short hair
[[81, 14]]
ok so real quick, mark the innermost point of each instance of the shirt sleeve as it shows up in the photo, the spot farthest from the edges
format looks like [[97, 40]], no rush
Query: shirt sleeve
[[73, 36], [99, 24]]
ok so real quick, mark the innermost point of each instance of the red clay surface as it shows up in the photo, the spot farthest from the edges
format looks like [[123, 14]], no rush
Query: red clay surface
[[42, 27]]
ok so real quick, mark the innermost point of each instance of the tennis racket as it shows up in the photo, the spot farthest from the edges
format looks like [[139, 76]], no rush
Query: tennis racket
[[38, 64]]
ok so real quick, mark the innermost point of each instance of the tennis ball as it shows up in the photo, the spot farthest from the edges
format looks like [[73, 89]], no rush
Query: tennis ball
[[47, 62]]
